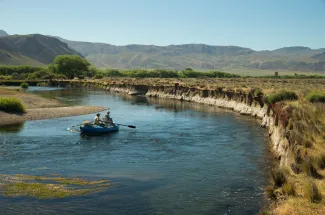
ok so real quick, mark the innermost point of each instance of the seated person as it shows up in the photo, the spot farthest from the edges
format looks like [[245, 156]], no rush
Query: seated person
[[97, 120], [107, 119]]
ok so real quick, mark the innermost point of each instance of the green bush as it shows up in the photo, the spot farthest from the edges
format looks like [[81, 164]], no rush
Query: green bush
[[5, 77], [98, 76], [258, 92], [59, 76], [24, 85], [312, 193], [316, 97], [281, 96], [9, 70], [113, 73], [11, 105]]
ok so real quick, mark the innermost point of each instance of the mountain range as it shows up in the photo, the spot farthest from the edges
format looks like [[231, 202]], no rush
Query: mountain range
[[38, 49]]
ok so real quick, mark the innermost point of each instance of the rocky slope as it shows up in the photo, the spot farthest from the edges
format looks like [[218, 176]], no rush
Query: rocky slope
[[34, 49]]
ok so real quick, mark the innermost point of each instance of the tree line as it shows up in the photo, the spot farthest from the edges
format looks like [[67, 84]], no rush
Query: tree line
[[73, 66]]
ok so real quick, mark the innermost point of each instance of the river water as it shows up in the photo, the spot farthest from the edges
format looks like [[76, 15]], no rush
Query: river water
[[183, 158]]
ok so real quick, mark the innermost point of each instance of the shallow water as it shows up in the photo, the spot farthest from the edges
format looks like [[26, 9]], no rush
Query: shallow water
[[183, 158]]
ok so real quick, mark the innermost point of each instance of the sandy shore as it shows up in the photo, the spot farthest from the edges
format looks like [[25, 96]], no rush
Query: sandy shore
[[38, 108]]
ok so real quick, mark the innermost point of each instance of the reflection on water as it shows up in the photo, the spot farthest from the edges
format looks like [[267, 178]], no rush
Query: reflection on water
[[183, 158], [14, 128]]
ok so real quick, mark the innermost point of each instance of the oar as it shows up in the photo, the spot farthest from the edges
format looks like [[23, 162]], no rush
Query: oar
[[71, 128], [130, 126], [78, 125]]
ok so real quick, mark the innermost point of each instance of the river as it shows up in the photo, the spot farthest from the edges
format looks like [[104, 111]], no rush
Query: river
[[183, 158]]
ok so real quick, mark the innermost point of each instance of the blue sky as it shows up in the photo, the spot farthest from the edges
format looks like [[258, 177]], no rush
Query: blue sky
[[256, 24]]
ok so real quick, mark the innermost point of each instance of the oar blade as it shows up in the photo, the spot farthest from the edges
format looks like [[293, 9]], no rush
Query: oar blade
[[131, 126]]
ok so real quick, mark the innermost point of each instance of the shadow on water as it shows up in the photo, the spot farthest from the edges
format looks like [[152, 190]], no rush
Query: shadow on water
[[14, 128], [172, 104]]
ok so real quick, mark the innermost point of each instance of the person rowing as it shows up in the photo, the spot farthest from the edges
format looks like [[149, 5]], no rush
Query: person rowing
[[107, 119]]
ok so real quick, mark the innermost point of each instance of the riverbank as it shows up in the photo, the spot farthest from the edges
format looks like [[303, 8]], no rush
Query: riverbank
[[295, 126], [38, 108]]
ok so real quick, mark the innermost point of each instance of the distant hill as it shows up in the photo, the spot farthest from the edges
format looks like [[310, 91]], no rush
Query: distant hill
[[199, 56], [3, 33], [36, 49], [33, 49]]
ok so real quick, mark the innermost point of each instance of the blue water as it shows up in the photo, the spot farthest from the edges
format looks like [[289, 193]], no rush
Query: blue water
[[183, 158]]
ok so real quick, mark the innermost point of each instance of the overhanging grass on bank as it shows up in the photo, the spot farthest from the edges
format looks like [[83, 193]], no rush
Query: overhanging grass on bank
[[11, 105], [281, 96], [316, 97]]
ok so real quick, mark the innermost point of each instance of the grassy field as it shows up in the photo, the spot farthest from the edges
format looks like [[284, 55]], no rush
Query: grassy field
[[259, 72]]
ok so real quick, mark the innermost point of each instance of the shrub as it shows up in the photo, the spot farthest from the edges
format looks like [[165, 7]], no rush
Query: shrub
[[316, 97], [289, 189], [98, 76], [258, 92], [11, 105], [24, 85], [312, 193], [15, 76], [60, 76], [281, 96], [9, 70], [113, 73], [278, 177]]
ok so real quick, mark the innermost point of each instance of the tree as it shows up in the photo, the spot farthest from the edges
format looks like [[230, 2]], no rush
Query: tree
[[69, 65]]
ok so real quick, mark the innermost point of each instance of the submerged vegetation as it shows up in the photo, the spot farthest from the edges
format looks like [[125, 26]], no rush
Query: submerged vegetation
[[50, 187]]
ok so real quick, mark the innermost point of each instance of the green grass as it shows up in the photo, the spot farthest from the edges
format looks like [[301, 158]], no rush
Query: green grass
[[281, 96], [316, 97], [11, 105]]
